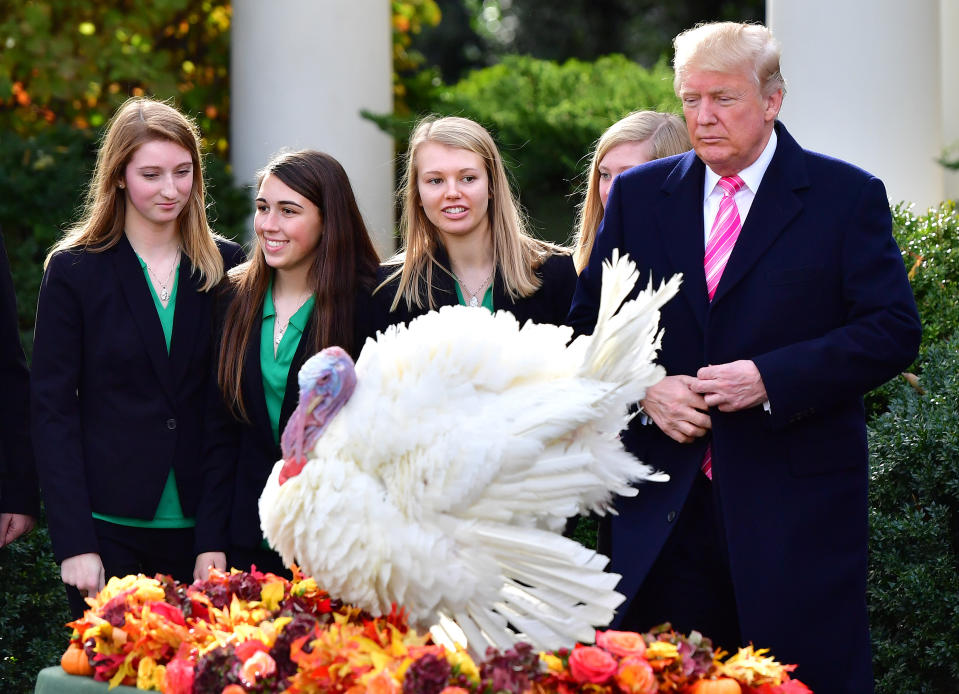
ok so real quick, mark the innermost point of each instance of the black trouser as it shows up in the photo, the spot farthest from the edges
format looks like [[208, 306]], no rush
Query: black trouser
[[127, 550]]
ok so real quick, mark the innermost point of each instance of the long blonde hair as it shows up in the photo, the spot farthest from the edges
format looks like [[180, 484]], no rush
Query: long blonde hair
[[516, 253], [666, 134], [138, 121]]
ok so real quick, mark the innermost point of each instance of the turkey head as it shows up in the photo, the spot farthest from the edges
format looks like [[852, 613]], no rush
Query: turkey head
[[326, 382]]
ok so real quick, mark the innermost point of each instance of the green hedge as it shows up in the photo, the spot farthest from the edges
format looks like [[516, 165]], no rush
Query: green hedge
[[930, 249], [914, 516], [34, 612], [545, 117]]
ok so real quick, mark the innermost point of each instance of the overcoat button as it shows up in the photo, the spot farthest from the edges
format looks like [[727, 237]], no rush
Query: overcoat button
[[671, 516], [171, 424]]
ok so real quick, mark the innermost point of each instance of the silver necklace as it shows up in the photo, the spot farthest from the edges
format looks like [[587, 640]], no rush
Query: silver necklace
[[473, 301], [164, 292], [278, 333], [279, 327]]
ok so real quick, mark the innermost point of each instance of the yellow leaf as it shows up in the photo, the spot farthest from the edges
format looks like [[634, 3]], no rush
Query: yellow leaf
[[125, 670], [661, 650], [271, 595]]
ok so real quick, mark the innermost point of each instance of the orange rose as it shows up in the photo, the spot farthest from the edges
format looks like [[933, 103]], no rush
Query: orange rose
[[621, 643], [636, 676], [591, 664], [454, 690]]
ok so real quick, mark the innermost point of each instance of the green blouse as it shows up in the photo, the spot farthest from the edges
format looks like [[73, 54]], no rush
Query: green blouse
[[169, 513], [275, 367]]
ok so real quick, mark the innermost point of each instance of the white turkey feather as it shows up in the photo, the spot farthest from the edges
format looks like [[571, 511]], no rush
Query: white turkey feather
[[442, 481]]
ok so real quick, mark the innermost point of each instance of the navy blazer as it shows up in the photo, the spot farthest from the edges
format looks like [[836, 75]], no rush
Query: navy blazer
[[241, 455], [19, 492], [816, 294], [112, 411], [548, 304]]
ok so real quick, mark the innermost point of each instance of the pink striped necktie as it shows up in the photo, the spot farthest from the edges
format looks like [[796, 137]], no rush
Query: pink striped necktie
[[719, 246]]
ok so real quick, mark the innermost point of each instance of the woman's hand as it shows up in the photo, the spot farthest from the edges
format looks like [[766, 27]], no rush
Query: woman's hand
[[207, 560], [85, 571]]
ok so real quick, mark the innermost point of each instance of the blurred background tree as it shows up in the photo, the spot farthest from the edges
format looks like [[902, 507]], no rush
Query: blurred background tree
[[73, 63], [479, 33]]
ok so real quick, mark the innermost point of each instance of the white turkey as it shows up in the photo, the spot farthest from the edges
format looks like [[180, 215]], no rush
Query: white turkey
[[438, 475]]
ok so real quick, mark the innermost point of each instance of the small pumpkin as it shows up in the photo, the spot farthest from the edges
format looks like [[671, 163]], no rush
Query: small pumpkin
[[75, 662], [723, 685]]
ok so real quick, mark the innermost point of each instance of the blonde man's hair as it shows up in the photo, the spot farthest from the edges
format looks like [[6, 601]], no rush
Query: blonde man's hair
[[138, 121], [727, 47], [667, 135], [516, 253]]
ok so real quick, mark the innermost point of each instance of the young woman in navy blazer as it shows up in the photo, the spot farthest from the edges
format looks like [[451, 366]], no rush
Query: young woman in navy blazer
[[121, 357], [465, 238], [305, 287]]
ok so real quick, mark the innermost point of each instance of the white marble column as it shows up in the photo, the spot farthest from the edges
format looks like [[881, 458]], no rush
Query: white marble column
[[867, 82], [301, 71], [949, 85]]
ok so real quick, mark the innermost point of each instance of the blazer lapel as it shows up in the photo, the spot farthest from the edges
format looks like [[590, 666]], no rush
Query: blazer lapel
[[680, 218], [187, 319], [775, 205], [144, 312], [253, 394]]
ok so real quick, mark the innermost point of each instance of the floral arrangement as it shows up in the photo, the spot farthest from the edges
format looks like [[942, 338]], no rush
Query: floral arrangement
[[243, 632]]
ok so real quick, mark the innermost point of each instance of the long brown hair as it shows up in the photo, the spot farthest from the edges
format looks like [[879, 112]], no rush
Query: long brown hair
[[138, 121], [344, 262], [516, 253]]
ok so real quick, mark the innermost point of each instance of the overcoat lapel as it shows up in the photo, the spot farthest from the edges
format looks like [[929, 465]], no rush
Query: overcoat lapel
[[680, 219], [775, 205], [137, 295]]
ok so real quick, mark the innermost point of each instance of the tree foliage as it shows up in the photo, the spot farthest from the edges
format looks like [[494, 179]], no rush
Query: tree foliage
[[409, 17], [930, 249], [73, 63], [641, 29]]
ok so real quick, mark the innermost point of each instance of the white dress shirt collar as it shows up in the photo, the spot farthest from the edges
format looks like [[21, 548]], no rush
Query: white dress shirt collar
[[752, 175]]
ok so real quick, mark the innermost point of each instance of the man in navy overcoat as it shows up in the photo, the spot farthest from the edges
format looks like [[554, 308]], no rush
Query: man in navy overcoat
[[764, 380]]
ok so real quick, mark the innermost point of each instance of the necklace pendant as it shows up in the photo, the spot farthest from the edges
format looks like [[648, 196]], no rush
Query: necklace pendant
[[473, 302], [164, 295]]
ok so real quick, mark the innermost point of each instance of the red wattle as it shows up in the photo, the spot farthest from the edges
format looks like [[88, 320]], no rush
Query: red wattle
[[291, 468]]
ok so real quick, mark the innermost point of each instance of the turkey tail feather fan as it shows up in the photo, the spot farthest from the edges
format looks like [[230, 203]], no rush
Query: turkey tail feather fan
[[443, 482]]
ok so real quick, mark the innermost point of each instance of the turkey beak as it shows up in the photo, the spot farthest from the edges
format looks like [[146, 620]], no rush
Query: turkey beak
[[314, 403]]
